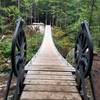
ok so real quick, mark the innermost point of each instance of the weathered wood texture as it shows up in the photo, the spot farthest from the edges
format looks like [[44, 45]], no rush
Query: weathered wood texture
[[49, 75]]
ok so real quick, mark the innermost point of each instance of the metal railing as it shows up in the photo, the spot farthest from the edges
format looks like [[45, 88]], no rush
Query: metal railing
[[18, 53], [84, 60]]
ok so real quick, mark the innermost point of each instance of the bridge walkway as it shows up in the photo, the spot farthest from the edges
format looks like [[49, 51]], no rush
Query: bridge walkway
[[49, 75]]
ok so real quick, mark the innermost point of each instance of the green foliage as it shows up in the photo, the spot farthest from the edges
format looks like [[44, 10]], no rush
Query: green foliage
[[63, 45], [57, 32], [95, 26], [66, 15], [33, 43], [5, 49]]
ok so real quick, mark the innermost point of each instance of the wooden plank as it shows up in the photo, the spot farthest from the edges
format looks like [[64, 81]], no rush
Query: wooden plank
[[49, 82], [46, 58], [48, 73], [50, 67], [49, 77], [46, 65], [49, 96], [54, 70], [50, 64], [58, 61], [50, 88]]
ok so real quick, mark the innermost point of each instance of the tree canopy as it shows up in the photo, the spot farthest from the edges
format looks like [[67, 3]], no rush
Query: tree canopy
[[66, 14]]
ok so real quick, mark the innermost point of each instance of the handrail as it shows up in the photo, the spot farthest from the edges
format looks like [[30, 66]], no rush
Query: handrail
[[19, 42], [84, 60], [18, 53]]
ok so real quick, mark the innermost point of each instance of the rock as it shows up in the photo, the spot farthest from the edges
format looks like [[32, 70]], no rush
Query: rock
[[3, 37], [9, 61], [2, 74], [2, 86], [95, 53], [10, 97], [70, 57]]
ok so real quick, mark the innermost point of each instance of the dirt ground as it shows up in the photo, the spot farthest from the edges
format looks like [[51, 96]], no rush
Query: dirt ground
[[96, 75], [3, 84]]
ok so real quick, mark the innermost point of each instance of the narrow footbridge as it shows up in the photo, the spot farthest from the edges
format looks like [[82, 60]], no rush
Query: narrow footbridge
[[48, 76]]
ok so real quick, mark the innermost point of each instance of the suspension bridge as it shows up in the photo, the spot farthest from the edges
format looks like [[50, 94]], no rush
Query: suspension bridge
[[48, 76]]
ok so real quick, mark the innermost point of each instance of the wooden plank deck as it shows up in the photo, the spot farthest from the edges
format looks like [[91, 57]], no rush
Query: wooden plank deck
[[49, 75]]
